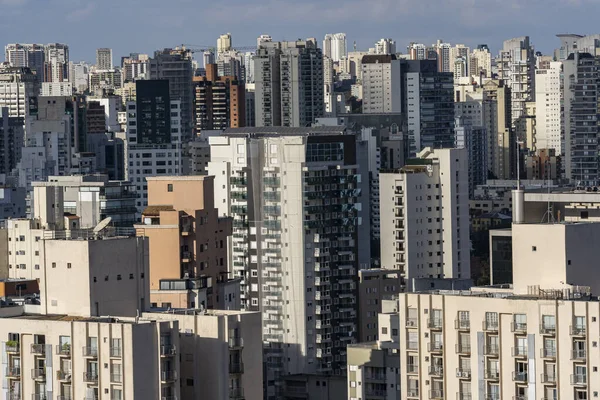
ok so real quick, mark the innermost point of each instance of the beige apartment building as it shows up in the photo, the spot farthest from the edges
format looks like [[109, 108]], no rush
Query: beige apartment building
[[222, 353], [66, 357], [188, 241]]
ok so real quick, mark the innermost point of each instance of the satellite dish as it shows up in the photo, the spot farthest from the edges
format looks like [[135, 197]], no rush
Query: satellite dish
[[103, 224]]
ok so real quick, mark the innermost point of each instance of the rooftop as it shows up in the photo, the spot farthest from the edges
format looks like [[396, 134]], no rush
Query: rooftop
[[154, 211], [284, 131], [180, 178]]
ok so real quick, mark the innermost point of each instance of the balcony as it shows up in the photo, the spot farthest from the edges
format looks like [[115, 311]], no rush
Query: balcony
[[13, 347], [548, 378], [115, 352], [412, 393], [549, 352], [463, 396], [492, 396], [38, 374], [13, 372], [462, 324], [236, 393], [90, 377], [464, 373], [463, 348], [579, 379], [65, 397], [63, 350], [519, 327], [236, 342], [236, 368], [519, 351], [372, 392], [436, 370], [412, 345], [116, 378], [519, 376], [39, 349], [412, 322], [520, 397], [64, 376], [491, 350], [490, 326], [91, 352], [186, 256], [39, 396], [167, 350], [579, 354], [547, 329], [435, 323], [412, 369], [436, 394], [435, 347], [492, 374], [168, 376], [578, 330]]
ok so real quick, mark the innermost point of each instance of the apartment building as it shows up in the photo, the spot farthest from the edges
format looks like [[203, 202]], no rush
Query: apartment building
[[381, 83], [154, 136], [374, 367], [294, 197], [548, 101], [222, 353], [426, 233], [497, 345], [18, 87], [188, 241], [219, 101], [289, 83], [12, 134], [64, 357], [56, 62], [315, 387], [31, 56], [93, 198]]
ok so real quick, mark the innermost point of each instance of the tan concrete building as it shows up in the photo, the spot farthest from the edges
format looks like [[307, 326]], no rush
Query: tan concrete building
[[188, 241], [222, 353], [63, 357]]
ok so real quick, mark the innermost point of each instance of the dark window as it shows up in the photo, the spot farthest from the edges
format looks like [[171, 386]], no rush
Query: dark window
[[170, 187]]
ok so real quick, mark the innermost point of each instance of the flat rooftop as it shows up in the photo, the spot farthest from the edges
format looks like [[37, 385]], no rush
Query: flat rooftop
[[285, 131]]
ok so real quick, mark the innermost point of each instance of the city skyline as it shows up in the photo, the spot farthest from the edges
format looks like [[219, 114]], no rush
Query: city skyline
[[455, 22]]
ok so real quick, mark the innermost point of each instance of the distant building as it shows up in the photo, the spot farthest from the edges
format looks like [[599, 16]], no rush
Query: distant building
[[548, 105], [32, 56], [335, 46], [104, 59], [56, 63]]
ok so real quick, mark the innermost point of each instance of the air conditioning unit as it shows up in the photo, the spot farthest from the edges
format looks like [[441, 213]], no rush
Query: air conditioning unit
[[459, 374]]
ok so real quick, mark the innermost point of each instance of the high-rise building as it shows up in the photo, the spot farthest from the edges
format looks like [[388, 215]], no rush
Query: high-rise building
[[480, 62], [427, 235], [460, 68], [289, 83], [175, 65], [188, 241], [568, 45], [443, 56], [19, 88], [296, 198], [79, 76], [474, 138], [516, 66], [223, 44], [104, 59], [382, 83], [231, 63], [335, 46], [56, 63], [12, 138], [462, 52], [134, 67], [548, 104], [418, 51], [263, 39], [429, 105], [154, 136], [27, 55], [219, 101], [581, 74]]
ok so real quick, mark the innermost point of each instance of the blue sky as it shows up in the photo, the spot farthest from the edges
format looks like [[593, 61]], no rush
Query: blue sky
[[145, 25]]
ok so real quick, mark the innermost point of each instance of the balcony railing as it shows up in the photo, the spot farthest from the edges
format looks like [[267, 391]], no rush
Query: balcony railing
[[115, 352], [65, 397], [547, 329], [167, 350], [494, 396], [39, 396], [435, 323], [89, 351], [90, 377], [412, 368], [436, 394], [13, 372], [13, 347], [435, 346], [38, 373], [436, 370], [63, 350], [411, 322], [462, 324], [579, 379], [493, 374], [412, 393], [519, 327], [116, 378], [168, 376], [548, 352], [491, 350], [519, 376], [519, 351], [63, 375], [463, 373], [578, 354], [490, 326], [39, 349], [412, 345], [236, 368], [578, 330], [236, 342], [463, 396], [463, 348], [236, 393], [548, 378]]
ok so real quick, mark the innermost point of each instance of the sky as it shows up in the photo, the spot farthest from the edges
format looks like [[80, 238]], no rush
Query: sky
[[143, 26]]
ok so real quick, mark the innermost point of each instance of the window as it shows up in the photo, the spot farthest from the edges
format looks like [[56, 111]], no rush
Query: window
[[53, 265], [170, 187], [384, 330], [69, 265]]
